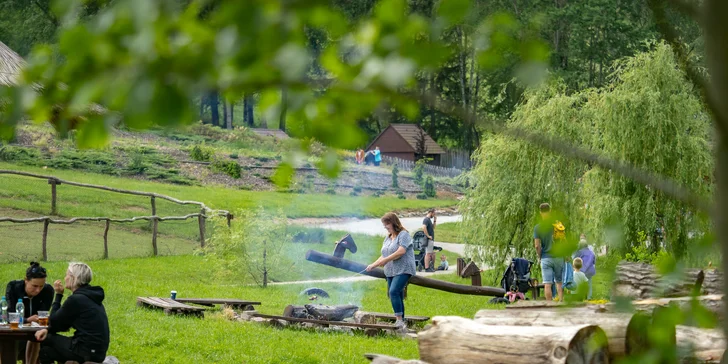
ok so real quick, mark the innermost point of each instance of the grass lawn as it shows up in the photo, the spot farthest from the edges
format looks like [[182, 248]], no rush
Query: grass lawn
[[147, 336], [448, 232]]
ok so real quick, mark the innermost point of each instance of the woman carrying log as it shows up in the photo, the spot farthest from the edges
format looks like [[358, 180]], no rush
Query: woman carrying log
[[398, 260]]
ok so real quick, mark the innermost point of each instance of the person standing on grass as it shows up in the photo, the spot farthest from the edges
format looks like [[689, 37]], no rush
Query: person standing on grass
[[377, 156], [428, 227], [552, 267], [589, 260], [83, 311], [37, 295], [398, 260]]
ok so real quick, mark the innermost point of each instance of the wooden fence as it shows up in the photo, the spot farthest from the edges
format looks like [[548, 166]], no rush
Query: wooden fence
[[458, 159], [436, 171], [154, 219]]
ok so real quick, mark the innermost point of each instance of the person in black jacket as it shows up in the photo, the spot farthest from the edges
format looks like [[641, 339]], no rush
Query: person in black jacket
[[82, 311], [37, 295]]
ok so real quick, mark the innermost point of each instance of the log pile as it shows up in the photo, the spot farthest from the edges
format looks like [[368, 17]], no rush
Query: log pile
[[641, 280]]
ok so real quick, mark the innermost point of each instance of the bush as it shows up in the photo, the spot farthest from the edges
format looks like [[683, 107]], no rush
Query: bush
[[419, 171], [353, 193], [357, 188], [138, 165], [201, 153], [395, 177], [234, 156], [402, 197], [231, 168], [331, 190], [430, 187], [421, 196], [377, 194]]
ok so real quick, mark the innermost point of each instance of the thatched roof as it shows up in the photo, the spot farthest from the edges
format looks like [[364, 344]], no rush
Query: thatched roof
[[10, 65]]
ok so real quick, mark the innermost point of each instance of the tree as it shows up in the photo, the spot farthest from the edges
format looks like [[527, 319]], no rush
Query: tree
[[420, 143], [395, 176], [254, 247], [650, 118]]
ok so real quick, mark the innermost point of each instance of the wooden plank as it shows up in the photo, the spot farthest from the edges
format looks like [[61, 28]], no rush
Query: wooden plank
[[151, 302], [324, 322], [181, 306], [217, 301], [389, 316]]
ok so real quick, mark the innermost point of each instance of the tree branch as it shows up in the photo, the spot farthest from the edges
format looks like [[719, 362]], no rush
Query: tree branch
[[700, 83]]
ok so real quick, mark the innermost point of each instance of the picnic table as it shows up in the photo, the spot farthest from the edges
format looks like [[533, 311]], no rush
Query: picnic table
[[9, 339], [211, 302]]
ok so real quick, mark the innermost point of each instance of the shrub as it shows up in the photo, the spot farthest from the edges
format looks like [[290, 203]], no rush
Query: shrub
[[402, 197], [377, 194], [421, 196], [330, 190], [419, 171], [395, 177], [231, 168], [353, 193], [234, 156], [201, 153], [357, 188], [137, 165], [430, 187]]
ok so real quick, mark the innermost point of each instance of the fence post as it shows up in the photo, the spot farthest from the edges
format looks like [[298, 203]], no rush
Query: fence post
[[53, 182], [106, 240], [154, 234], [154, 209], [229, 218], [46, 222], [201, 222]]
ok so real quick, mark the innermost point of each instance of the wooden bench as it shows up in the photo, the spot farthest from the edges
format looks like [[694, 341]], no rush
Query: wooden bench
[[211, 302], [170, 306]]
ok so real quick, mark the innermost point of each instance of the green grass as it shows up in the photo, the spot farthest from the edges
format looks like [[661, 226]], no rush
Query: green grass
[[148, 336], [448, 232]]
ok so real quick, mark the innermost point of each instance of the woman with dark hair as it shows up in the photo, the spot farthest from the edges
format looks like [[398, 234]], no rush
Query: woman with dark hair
[[37, 295], [398, 260]]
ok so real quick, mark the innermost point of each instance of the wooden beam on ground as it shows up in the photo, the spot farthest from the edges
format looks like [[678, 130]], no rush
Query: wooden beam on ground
[[324, 322], [330, 260]]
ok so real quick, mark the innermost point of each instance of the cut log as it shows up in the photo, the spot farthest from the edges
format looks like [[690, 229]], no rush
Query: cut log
[[701, 345], [321, 312], [385, 359], [641, 280], [455, 340], [613, 324], [714, 304], [321, 258]]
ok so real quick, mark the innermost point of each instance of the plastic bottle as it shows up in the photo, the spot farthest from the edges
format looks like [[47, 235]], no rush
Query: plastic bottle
[[20, 309], [4, 312]]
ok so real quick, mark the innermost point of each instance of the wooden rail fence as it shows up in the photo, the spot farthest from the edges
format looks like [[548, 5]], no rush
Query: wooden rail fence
[[153, 219], [407, 165]]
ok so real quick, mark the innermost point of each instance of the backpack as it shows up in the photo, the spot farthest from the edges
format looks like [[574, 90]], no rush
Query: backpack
[[559, 230]]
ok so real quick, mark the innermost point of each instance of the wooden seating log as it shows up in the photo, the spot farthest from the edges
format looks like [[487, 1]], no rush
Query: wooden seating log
[[614, 324], [701, 345], [641, 280], [457, 340], [385, 359]]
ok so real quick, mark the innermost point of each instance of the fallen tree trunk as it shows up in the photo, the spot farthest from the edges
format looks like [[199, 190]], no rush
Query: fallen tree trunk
[[321, 258], [701, 345], [455, 340], [714, 303], [641, 280], [613, 324], [385, 359]]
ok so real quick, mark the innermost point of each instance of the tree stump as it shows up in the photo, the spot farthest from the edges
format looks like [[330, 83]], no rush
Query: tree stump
[[614, 324], [456, 340]]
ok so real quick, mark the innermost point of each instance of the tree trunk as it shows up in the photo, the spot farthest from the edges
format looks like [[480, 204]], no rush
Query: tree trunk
[[229, 115], [284, 108], [321, 312], [214, 112], [714, 303], [614, 324], [704, 345], [224, 113], [321, 258], [456, 340], [640, 280], [202, 107], [385, 359]]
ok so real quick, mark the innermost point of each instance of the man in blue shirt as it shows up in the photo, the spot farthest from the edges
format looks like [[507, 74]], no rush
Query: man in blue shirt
[[552, 267]]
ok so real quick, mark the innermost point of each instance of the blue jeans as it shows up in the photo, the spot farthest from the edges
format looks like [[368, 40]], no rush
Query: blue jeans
[[395, 288], [552, 270], [589, 296]]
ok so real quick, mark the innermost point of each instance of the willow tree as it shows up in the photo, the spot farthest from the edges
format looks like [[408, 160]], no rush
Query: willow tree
[[649, 117]]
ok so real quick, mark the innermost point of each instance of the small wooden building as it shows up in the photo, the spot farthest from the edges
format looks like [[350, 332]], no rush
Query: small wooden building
[[10, 66], [403, 141]]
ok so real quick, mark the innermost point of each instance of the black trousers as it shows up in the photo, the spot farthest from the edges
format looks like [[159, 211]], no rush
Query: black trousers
[[57, 348]]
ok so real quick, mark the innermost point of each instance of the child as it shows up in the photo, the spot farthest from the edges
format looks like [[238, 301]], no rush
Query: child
[[579, 276], [443, 263]]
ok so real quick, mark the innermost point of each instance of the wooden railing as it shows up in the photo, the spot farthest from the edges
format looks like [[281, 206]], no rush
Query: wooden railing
[[204, 213], [406, 165]]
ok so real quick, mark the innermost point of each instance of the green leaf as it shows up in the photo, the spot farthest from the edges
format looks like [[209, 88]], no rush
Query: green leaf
[[94, 133], [329, 165], [453, 11], [283, 176], [391, 11]]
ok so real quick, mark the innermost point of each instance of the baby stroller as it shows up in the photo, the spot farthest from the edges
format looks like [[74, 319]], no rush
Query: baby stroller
[[419, 241], [516, 281]]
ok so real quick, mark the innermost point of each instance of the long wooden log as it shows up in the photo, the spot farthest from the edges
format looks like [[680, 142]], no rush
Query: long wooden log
[[614, 324], [714, 303], [641, 280], [386, 359], [701, 345], [330, 260], [457, 340]]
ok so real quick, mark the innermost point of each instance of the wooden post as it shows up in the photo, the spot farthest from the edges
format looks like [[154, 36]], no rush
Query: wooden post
[[54, 195], [45, 239], [229, 217], [106, 240], [155, 222], [154, 208], [201, 222]]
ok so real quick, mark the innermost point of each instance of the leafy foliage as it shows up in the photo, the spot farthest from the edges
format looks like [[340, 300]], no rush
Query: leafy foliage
[[419, 171], [395, 177], [254, 247], [201, 153], [231, 168], [430, 187], [650, 117]]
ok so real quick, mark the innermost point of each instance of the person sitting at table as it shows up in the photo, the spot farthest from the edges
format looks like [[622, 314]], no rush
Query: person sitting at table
[[83, 311], [37, 295]]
